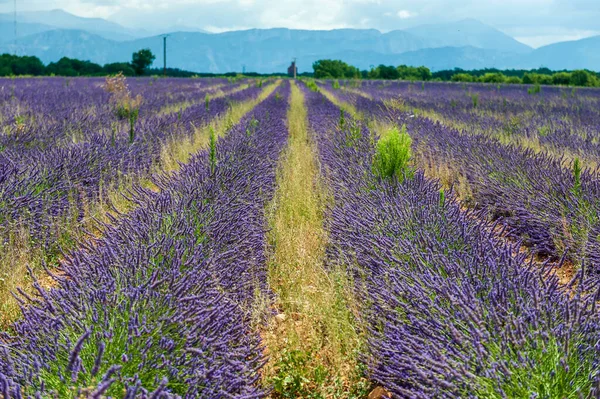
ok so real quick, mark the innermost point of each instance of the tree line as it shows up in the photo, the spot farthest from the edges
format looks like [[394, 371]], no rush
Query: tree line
[[14, 65], [336, 69]]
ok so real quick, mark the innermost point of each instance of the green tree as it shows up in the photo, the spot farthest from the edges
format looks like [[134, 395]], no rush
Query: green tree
[[25, 65], [387, 72], [537, 78], [424, 73], [561, 78], [528, 78], [414, 73], [74, 67], [116, 67], [335, 69], [141, 60], [492, 78], [462, 77], [581, 78], [544, 79]]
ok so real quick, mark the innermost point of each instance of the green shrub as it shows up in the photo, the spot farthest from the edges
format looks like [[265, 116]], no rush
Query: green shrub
[[576, 178], [342, 119], [536, 89], [580, 78], [212, 153], [474, 99], [133, 117], [462, 77], [392, 158], [312, 85], [561, 78], [543, 131], [335, 84], [492, 78]]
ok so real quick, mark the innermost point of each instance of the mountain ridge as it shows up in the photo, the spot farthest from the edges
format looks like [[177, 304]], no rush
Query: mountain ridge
[[467, 44]]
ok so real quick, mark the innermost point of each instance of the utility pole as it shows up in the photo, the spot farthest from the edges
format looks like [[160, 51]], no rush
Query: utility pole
[[165, 55], [15, 27]]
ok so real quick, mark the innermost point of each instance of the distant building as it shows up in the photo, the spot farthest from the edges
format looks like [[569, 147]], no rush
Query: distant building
[[292, 70]]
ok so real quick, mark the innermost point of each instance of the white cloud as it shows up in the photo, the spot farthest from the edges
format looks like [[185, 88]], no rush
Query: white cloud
[[221, 29], [405, 14], [384, 15]]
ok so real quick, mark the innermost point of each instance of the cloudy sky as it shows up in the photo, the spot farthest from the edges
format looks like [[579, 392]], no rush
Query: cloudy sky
[[534, 22]]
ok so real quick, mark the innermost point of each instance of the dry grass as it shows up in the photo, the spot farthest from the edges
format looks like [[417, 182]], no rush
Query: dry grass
[[212, 93], [15, 255], [357, 92], [18, 251], [179, 150], [350, 108], [313, 341]]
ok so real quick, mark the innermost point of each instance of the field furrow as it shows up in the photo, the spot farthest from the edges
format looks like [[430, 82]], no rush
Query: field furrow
[[312, 340]]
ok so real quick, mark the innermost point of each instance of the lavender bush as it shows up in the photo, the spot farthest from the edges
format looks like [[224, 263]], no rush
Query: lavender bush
[[451, 312], [537, 196], [159, 306]]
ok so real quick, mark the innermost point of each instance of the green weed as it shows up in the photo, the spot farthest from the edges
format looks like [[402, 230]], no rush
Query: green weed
[[393, 155]]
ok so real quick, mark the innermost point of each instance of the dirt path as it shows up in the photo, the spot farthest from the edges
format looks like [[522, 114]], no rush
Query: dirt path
[[312, 341]]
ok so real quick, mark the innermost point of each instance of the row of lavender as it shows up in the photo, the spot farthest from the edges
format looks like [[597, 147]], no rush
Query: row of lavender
[[554, 120], [56, 112], [44, 188], [452, 313], [159, 307], [552, 208], [553, 103]]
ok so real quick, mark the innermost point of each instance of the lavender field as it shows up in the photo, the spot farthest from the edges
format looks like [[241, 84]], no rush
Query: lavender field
[[244, 238]]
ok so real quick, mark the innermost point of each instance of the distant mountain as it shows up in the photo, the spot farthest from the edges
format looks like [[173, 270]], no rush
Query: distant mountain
[[261, 50], [7, 29], [52, 45], [468, 32], [174, 28], [577, 54], [466, 57], [466, 44], [59, 19]]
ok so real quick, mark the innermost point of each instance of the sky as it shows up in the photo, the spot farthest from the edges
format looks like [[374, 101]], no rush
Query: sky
[[533, 22]]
